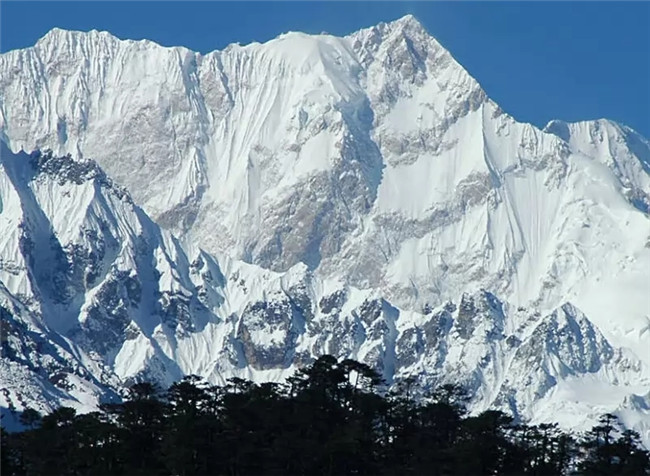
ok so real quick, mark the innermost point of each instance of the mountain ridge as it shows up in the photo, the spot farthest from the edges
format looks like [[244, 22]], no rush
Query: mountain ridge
[[55, 33]]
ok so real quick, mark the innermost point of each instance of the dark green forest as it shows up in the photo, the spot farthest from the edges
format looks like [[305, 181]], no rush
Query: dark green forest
[[331, 418]]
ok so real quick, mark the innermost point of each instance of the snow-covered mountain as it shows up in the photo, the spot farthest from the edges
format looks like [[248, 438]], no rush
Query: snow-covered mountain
[[360, 196]]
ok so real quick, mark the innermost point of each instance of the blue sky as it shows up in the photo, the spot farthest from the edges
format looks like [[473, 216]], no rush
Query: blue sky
[[538, 60]]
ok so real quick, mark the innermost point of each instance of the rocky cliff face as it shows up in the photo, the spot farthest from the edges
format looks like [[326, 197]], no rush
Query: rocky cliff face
[[359, 196]]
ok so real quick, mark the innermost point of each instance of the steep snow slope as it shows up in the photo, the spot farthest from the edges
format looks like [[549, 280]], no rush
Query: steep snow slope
[[372, 163], [271, 144]]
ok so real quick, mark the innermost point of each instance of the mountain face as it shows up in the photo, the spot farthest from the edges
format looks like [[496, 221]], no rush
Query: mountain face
[[359, 196]]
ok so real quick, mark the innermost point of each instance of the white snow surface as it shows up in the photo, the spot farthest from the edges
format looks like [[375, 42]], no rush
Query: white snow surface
[[330, 195]]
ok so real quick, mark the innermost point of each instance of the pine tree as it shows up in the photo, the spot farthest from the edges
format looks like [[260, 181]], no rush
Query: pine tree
[[30, 418], [330, 418], [140, 421]]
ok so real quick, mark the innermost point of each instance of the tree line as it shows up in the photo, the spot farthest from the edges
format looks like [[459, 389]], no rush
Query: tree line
[[331, 418]]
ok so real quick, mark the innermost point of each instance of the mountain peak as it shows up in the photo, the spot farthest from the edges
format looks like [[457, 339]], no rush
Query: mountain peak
[[593, 127], [408, 21], [407, 25], [56, 34], [57, 37], [559, 128]]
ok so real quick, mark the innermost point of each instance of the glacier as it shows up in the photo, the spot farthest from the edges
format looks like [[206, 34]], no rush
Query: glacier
[[255, 207]]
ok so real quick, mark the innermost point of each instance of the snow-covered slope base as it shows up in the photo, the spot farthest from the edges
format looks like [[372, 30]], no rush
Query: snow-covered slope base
[[96, 296], [352, 195]]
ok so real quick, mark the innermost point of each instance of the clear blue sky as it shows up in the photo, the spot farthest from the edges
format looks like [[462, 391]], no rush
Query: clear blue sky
[[539, 61]]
